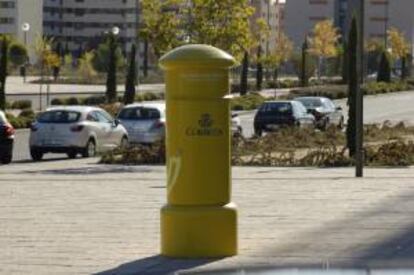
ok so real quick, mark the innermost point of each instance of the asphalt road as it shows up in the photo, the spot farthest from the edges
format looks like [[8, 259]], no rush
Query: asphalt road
[[394, 107]]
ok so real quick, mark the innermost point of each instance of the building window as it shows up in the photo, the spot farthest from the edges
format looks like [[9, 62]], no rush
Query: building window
[[6, 20], [379, 2], [318, 2], [7, 5]]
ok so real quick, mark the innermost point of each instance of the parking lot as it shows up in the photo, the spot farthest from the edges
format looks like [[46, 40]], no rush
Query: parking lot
[[77, 217]]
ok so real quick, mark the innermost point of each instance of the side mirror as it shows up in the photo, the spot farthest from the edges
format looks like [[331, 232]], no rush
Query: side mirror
[[234, 115], [116, 122], [339, 108]]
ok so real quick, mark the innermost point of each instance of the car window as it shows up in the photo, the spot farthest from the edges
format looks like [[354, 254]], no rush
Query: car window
[[92, 117], [310, 103], [59, 116], [102, 117], [139, 113], [276, 108], [2, 118], [300, 108], [329, 104]]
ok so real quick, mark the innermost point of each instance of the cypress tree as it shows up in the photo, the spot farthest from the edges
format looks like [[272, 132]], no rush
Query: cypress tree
[[259, 70], [244, 74], [111, 92], [345, 63], [384, 71], [352, 87], [403, 68], [3, 71], [303, 73], [129, 95]]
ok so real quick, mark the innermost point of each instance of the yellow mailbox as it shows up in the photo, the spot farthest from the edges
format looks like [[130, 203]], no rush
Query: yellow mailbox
[[199, 220]]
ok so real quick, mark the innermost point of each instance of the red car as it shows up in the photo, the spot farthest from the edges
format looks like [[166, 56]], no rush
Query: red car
[[6, 139]]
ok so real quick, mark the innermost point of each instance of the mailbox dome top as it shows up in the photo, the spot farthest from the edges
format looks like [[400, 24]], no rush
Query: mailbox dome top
[[197, 55]]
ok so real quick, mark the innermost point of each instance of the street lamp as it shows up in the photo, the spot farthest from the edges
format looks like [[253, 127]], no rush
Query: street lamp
[[115, 30], [25, 29]]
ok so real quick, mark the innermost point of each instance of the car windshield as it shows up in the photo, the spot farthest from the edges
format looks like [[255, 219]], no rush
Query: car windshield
[[2, 118], [60, 116], [279, 108], [139, 113], [310, 102]]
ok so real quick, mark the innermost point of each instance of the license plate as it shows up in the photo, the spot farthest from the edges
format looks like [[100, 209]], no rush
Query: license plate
[[273, 127]]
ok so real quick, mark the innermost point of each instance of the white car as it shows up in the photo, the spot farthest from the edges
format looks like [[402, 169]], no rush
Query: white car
[[236, 128], [145, 122], [75, 130]]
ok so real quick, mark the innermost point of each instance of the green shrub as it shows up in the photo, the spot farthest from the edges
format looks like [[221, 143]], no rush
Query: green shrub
[[329, 91], [19, 122], [57, 102], [282, 84], [136, 155], [27, 113], [250, 101], [72, 101], [21, 104], [94, 100]]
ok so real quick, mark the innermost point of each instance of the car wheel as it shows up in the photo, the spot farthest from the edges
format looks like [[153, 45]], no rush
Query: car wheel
[[341, 124], [6, 159], [36, 154], [89, 150], [124, 143], [72, 154], [325, 125]]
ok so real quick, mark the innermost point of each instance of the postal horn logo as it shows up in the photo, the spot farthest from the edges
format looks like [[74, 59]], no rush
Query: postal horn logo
[[205, 121], [205, 127]]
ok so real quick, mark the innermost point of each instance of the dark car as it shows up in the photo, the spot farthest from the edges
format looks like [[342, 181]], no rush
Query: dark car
[[273, 115], [324, 111], [6, 139]]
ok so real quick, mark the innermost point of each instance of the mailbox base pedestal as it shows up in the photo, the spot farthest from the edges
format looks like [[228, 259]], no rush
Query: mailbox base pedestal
[[199, 231]]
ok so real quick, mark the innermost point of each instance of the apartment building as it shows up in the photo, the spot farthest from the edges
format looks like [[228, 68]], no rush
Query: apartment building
[[302, 15], [270, 11], [83, 24], [380, 15], [14, 13]]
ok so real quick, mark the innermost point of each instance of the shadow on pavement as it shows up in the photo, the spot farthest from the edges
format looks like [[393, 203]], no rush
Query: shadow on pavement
[[94, 170], [156, 265]]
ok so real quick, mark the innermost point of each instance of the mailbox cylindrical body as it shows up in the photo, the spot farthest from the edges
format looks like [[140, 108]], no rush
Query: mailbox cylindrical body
[[199, 220]]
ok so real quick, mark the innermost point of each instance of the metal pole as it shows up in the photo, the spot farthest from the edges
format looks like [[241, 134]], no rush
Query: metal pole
[[359, 154], [386, 15], [25, 62]]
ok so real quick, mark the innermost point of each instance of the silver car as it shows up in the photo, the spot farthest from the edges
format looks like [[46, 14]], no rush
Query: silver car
[[145, 122], [75, 130]]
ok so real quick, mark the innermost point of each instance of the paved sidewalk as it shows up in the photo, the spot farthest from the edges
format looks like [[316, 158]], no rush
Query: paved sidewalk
[[76, 217], [15, 86]]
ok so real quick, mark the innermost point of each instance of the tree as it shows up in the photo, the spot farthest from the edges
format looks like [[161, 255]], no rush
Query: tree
[[18, 54], [111, 92], [375, 47], [352, 87], [345, 62], [398, 44], [384, 71], [323, 42], [244, 74], [129, 95], [100, 60], [259, 69], [85, 68], [5, 42], [400, 48], [161, 25], [222, 23], [304, 77], [280, 54]]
